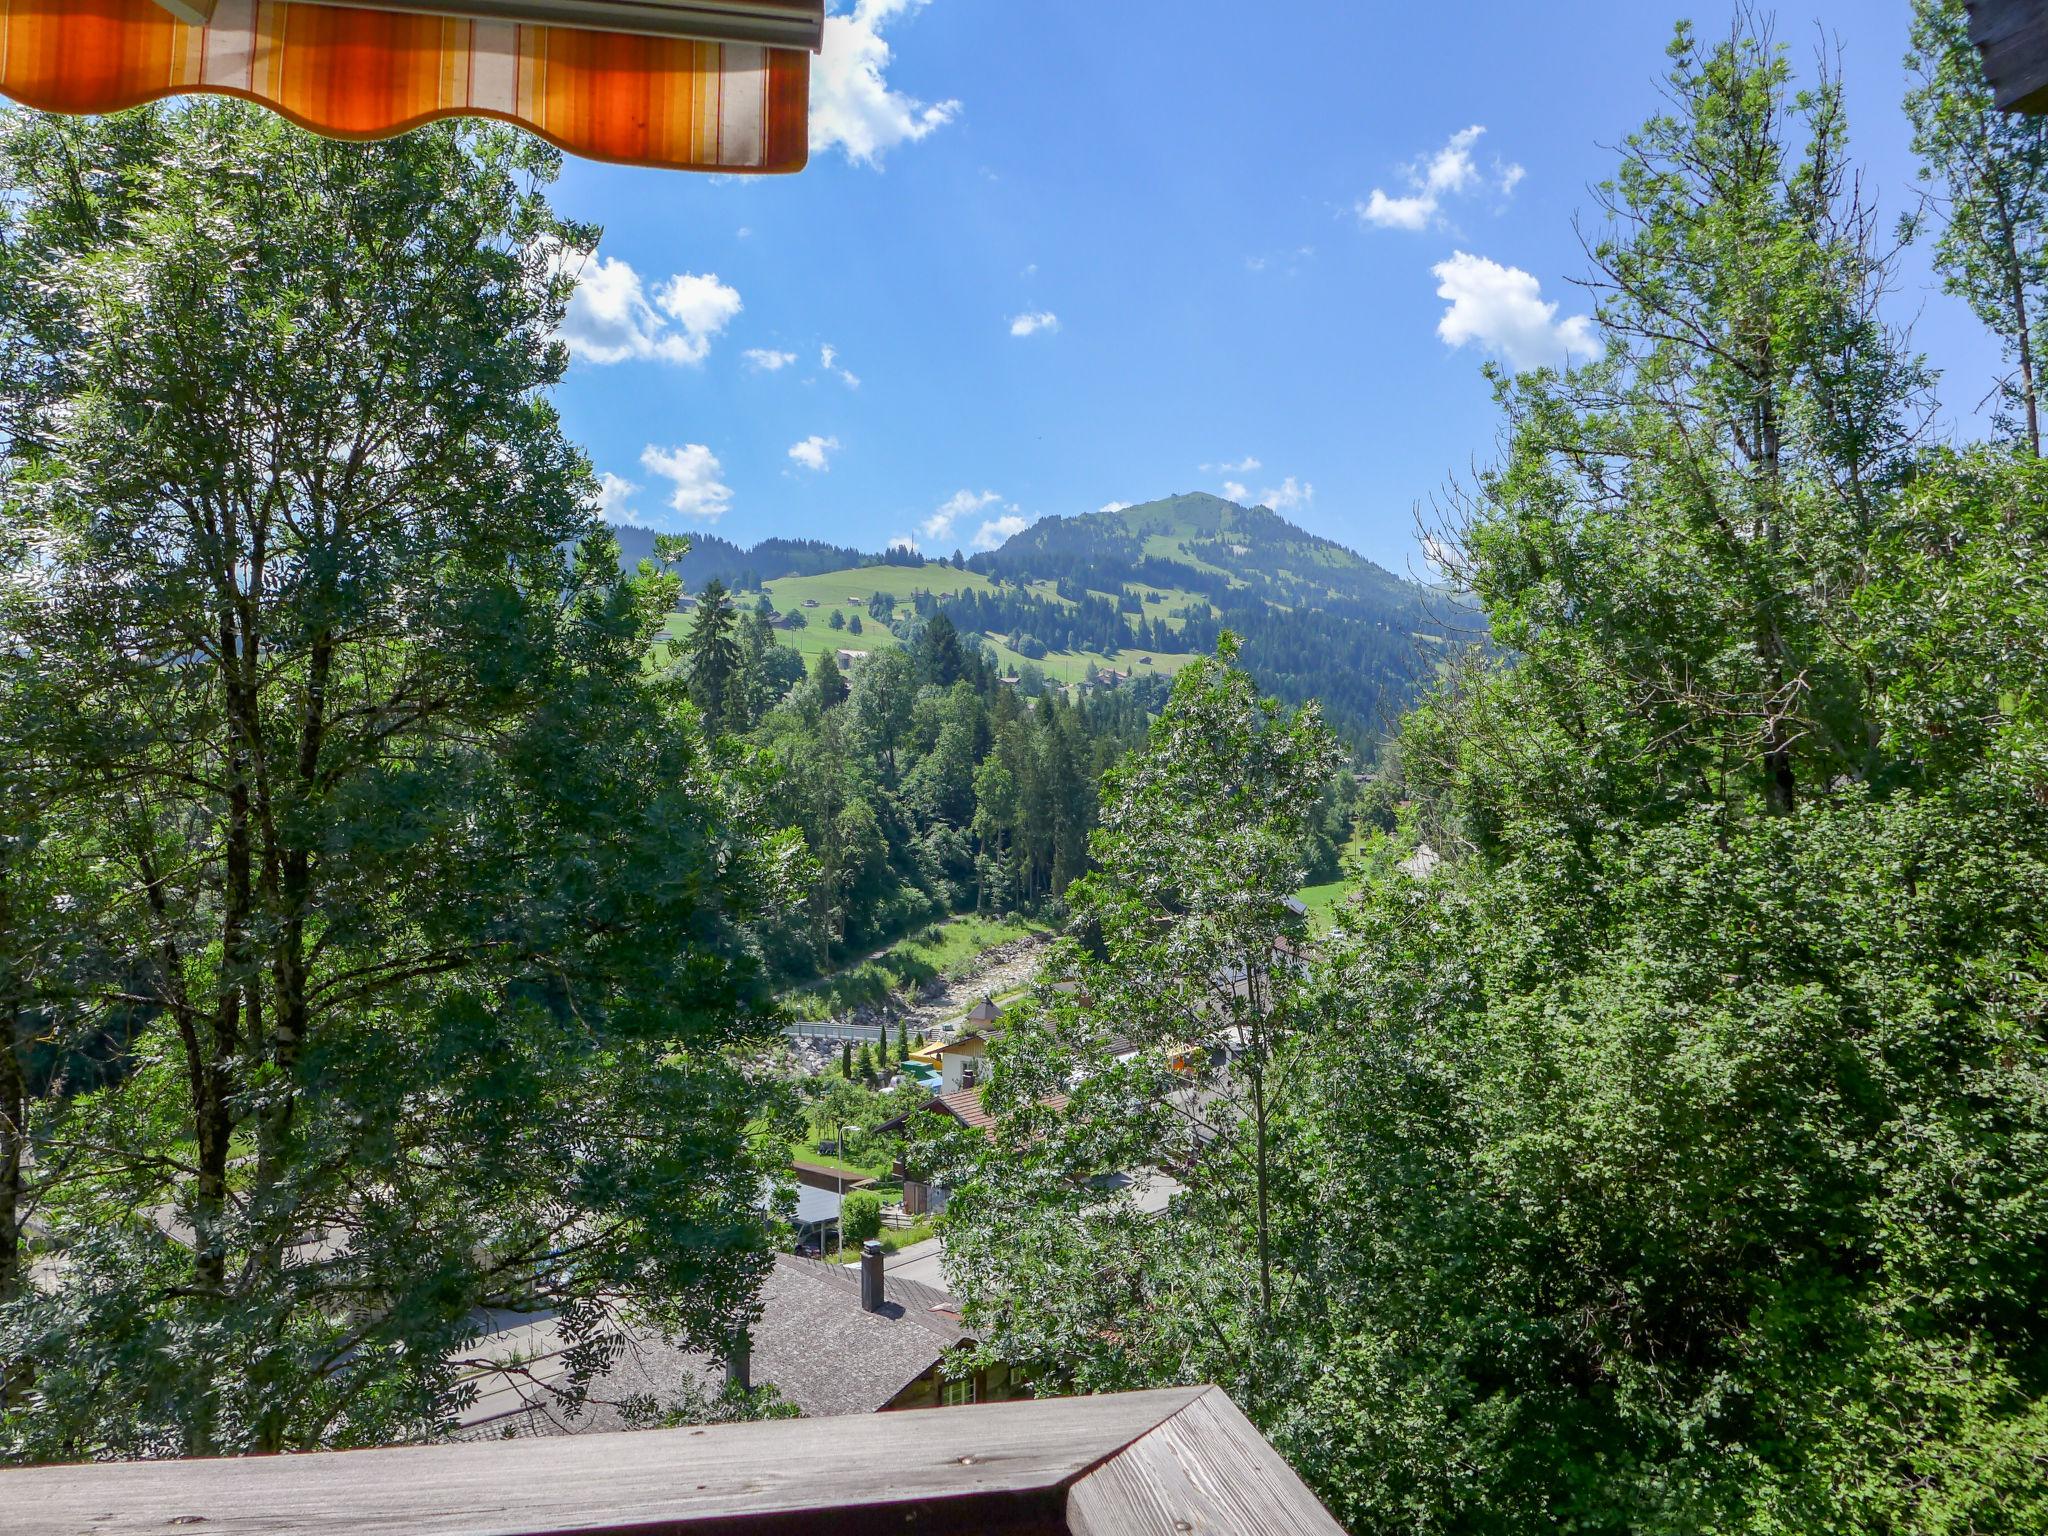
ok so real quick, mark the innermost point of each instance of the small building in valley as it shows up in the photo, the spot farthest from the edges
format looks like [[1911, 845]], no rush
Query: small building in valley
[[832, 1339], [925, 1194]]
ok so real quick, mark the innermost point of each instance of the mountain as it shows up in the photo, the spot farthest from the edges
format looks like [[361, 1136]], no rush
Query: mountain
[[1139, 591], [712, 557], [1318, 620]]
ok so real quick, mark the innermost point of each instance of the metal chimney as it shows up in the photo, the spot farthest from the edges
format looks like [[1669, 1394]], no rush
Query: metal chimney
[[871, 1276]]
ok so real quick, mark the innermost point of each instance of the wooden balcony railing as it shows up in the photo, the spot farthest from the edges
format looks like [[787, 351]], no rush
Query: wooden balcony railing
[[1182, 1462]]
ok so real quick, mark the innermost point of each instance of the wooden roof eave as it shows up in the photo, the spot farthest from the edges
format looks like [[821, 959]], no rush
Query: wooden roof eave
[[2012, 39]]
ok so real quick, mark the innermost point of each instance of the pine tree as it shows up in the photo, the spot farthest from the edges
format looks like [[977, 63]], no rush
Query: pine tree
[[714, 658]]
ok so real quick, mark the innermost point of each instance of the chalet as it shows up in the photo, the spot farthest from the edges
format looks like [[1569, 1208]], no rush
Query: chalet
[[851, 658], [962, 1063], [924, 1194], [810, 602], [832, 1339]]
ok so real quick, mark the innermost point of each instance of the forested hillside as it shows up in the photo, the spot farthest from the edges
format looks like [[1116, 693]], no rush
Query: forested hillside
[[1316, 620], [1140, 590]]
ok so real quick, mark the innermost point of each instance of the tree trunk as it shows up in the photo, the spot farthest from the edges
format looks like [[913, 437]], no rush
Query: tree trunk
[[15, 1375]]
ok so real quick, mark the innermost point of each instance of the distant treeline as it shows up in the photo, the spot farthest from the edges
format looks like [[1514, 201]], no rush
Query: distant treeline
[[740, 569]]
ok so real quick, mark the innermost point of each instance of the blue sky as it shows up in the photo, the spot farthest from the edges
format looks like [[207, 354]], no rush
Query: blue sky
[[1053, 256]]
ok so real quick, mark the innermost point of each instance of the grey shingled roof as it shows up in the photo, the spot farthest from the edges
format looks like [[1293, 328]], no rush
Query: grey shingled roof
[[814, 1344]]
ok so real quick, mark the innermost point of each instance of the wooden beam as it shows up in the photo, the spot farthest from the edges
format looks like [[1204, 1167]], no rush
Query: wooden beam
[[1164, 1463], [2012, 39], [1206, 1469], [197, 12]]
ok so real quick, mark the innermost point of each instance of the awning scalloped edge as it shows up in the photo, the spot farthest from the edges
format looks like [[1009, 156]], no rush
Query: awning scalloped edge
[[357, 73]]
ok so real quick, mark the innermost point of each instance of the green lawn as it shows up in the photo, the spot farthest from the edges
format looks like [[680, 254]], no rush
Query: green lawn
[[900, 581], [935, 950], [809, 642], [952, 947], [880, 1156], [1072, 666], [1171, 546], [1326, 900], [833, 591]]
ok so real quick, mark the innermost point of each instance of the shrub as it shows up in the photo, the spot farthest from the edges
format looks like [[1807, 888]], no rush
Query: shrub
[[860, 1216]]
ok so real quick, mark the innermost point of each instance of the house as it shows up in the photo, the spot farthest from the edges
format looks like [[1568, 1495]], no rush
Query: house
[[850, 658], [832, 1339], [1422, 863], [1291, 956], [810, 602], [924, 1194], [962, 1063]]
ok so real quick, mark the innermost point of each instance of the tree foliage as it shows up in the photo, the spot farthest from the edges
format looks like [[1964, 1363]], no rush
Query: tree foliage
[[427, 905], [1673, 1158], [1989, 170]]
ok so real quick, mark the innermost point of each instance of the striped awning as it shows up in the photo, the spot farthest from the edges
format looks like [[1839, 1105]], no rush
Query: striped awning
[[364, 72]]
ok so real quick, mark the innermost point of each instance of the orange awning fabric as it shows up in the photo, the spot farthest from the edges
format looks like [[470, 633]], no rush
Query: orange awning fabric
[[353, 72]]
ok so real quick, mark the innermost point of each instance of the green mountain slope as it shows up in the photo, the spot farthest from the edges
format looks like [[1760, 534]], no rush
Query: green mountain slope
[[1139, 591], [1318, 620]]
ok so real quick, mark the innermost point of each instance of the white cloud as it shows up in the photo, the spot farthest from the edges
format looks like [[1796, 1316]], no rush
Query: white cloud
[[852, 106], [1447, 173], [1511, 177], [939, 526], [903, 541], [814, 452], [1289, 494], [1243, 466], [1032, 323], [998, 529], [1398, 212], [613, 492], [767, 359], [611, 319], [828, 359], [693, 469], [1504, 311], [1115, 506], [1284, 497]]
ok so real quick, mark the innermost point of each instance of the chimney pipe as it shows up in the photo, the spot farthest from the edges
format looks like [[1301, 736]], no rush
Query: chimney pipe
[[871, 1276], [739, 1362]]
